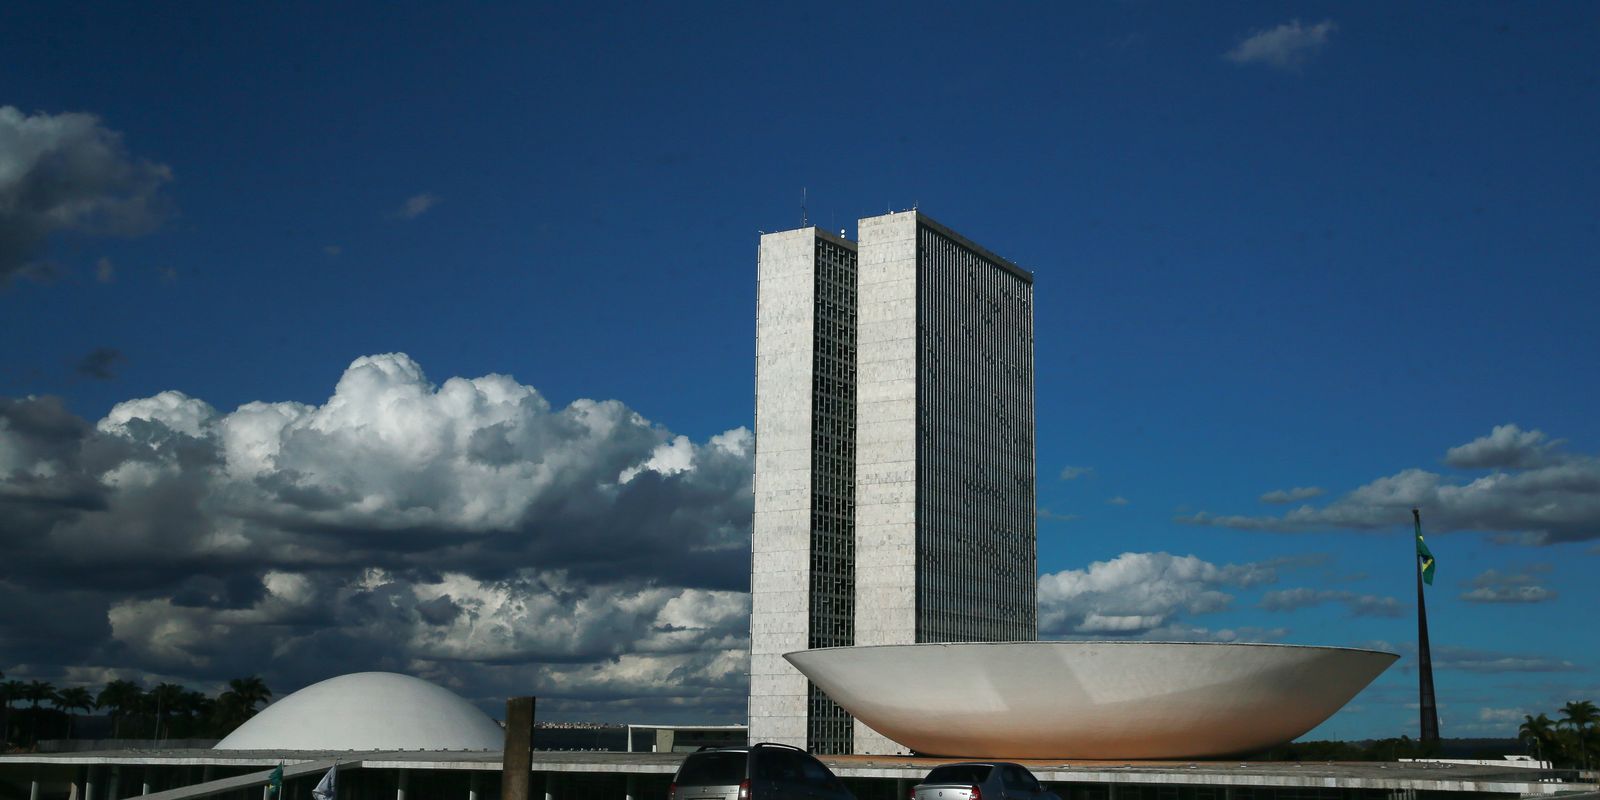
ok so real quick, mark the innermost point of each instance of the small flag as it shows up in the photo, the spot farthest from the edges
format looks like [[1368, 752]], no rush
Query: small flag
[[1424, 556], [327, 788], [275, 783]]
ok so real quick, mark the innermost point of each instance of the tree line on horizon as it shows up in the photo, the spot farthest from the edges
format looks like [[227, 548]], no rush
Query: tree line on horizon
[[166, 711], [1572, 741]]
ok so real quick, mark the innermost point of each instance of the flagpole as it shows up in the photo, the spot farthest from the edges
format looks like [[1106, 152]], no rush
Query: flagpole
[[1429, 710]]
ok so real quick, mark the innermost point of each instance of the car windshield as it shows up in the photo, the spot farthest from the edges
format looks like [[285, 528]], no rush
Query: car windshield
[[959, 773], [712, 769]]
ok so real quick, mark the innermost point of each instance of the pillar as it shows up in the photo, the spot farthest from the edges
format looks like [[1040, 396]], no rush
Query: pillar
[[473, 779], [403, 784], [631, 787], [517, 759]]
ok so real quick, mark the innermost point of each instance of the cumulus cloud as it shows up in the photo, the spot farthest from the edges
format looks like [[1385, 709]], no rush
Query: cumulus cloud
[[1550, 497], [1525, 586], [1286, 47], [1298, 493], [1359, 605], [1506, 447], [1138, 593], [467, 531], [1074, 473], [68, 173], [417, 205]]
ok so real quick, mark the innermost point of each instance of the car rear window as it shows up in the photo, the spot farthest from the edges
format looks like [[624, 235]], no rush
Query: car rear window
[[712, 769], [959, 773]]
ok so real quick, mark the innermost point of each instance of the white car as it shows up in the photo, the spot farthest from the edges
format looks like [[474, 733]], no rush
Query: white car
[[981, 780]]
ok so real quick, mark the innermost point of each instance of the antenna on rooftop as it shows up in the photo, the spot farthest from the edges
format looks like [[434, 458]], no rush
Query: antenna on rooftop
[[803, 222]]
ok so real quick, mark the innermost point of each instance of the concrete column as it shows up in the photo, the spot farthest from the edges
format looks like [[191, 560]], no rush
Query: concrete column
[[631, 788], [33, 789], [114, 786], [549, 786], [144, 780], [516, 764], [404, 784], [473, 779], [88, 783]]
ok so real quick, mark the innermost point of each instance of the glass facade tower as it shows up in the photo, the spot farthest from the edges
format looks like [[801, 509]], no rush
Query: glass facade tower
[[894, 486]]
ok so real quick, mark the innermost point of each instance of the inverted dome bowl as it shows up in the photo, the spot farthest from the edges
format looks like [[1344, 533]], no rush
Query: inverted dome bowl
[[1090, 700]]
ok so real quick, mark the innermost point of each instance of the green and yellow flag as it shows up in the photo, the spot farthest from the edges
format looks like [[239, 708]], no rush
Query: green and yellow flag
[[1424, 556], [275, 782]]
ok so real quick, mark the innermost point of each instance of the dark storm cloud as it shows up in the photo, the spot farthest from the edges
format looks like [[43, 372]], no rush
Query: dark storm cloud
[[401, 525], [101, 363], [1536, 495], [63, 173]]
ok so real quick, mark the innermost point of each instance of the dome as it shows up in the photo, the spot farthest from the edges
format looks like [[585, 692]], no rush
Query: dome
[[368, 711], [1090, 700]]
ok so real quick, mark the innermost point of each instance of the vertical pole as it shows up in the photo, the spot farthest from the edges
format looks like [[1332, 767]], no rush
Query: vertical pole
[[631, 787], [33, 789], [1427, 708], [472, 785], [403, 784], [516, 763], [144, 780], [112, 788], [549, 786], [88, 783]]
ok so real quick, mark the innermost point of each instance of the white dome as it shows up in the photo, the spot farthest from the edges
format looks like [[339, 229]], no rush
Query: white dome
[[368, 711]]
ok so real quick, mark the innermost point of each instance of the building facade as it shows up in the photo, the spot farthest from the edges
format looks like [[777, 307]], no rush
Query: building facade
[[894, 487]]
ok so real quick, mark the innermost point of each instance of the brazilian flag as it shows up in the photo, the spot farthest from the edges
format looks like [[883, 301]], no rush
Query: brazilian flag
[[275, 783], [1424, 556]]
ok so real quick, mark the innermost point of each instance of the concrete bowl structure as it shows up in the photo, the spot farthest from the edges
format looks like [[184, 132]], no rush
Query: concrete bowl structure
[[1090, 700], [368, 711]]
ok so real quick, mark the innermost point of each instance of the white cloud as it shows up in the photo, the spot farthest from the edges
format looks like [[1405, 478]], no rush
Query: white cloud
[[465, 531], [1494, 586], [1359, 605], [1554, 498], [1119, 500], [1139, 592], [1281, 496], [1286, 47], [68, 173], [1074, 473], [1507, 446], [417, 205]]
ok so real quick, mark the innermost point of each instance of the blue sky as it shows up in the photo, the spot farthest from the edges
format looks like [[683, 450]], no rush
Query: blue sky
[[1276, 246]]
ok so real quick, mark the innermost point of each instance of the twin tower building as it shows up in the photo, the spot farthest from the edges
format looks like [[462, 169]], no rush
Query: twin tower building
[[894, 478]]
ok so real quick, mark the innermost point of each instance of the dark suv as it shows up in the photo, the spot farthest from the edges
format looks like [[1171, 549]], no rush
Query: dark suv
[[758, 772]]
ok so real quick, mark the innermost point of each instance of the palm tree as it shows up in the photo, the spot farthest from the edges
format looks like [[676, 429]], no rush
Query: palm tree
[[121, 697], [1579, 717], [10, 692], [37, 692], [71, 699], [1537, 731], [166, 698]]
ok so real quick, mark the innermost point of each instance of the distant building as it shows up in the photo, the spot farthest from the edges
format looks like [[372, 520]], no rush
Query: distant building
[[894, 486]]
